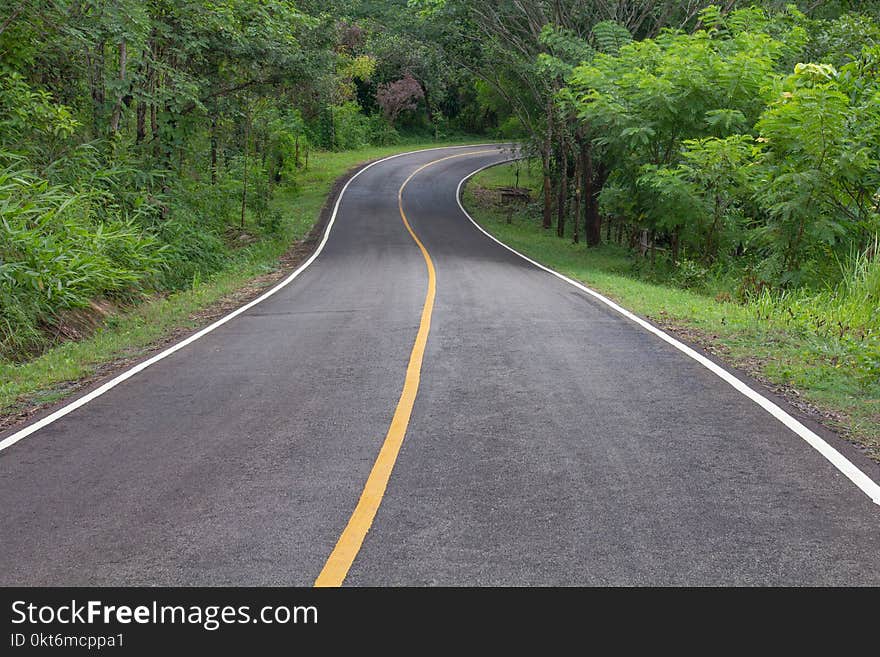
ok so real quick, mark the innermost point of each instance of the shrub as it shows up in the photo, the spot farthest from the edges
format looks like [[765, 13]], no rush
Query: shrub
[[55, 254]]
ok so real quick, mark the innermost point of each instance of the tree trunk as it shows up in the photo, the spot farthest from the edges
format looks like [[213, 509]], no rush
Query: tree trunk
[[591, 233], [428, 109], [709, 255], [213, 149], [154, 83], [95, 68], [244, 183], [332, 129], [548, 201], [545, 163], [576, 213], [562, 205], [141, 130], [117, 108], [168, 136], [154, 127], [593, 220]]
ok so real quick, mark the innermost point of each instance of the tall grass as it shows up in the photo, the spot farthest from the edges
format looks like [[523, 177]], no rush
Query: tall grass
[[57, 253], [203, 263], [840, 324], [86, 229]]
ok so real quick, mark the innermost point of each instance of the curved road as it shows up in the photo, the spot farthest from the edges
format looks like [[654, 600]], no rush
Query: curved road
[[551, 442]]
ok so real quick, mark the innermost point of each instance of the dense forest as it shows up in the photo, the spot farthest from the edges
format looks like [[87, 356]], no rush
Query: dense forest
[[141, 141], [716, 135]]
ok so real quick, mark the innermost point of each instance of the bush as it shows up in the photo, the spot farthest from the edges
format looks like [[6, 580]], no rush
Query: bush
[[510, 128], [690, 274], [841, 323], [381, 132], [351, 129], [55, 255]]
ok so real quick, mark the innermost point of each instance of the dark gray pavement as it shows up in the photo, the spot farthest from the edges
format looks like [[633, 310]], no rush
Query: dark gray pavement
[[553, 442]]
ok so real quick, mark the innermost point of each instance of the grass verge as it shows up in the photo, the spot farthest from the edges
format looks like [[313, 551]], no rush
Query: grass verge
[[803, 360], [127, 336]]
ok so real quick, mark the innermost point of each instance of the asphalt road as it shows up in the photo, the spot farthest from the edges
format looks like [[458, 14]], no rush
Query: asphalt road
[[552, 441]]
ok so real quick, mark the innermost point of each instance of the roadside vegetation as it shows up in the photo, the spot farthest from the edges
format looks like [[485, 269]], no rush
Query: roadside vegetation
[[110, 335], [713, 164], [817, 347], [157, 156], [147, 146]]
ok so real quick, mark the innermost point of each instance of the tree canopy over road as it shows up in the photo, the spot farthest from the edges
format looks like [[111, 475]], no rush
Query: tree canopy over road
[[377, 392], [736, 131], [142, 141]]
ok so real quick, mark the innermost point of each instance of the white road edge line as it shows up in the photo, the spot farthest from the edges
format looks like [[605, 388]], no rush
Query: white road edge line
[[838, 460], [9, 441]]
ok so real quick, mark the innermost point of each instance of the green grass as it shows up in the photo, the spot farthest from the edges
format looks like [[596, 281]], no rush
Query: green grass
[[47, 378], [522, 173], [795, 341]]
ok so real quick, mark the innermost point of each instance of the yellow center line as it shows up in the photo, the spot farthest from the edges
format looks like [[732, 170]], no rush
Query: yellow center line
[[349, 543]]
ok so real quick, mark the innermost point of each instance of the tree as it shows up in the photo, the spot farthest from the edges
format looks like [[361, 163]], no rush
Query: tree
[[399, 96], [645, 101]]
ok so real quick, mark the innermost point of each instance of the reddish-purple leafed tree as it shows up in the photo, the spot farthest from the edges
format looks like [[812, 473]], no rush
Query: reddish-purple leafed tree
[[399, 96]]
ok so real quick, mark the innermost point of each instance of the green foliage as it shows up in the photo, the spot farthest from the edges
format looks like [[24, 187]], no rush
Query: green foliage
[[723, 154], [349, 71], [510, 128], [31, 124], [665, 114], [351, 128], [565, 49], [656, 93], [382, 133], [55, 254], [840, 324], [836, 42], [609, 37], [825, 344], [820, 170], [690, 274], [701, 199], [142, 144]]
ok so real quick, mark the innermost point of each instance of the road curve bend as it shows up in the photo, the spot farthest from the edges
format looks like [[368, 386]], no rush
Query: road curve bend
[[527, 434]]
